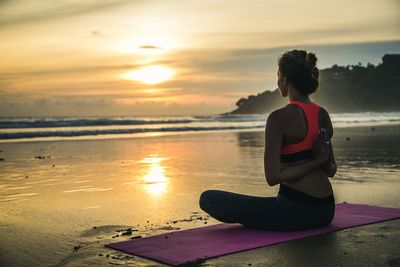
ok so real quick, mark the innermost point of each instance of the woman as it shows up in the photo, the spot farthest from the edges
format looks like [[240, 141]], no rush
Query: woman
[[298, 156]]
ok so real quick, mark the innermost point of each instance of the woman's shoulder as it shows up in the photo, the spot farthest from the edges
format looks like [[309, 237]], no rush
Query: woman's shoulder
[[324, 120], [277, 113], [284, 111], [323, 110], [278, 117], [323, 114]]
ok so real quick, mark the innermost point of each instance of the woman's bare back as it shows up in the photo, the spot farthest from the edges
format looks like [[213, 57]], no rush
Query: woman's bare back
[[315, 183]]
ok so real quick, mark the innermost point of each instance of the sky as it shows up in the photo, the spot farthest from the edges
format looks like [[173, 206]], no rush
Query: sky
[[127, 58]]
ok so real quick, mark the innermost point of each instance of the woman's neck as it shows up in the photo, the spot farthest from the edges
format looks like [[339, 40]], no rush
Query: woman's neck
[[295, 96], [300, 99]]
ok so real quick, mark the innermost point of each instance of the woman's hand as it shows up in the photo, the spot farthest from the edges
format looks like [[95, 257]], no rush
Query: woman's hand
[[321, 146]]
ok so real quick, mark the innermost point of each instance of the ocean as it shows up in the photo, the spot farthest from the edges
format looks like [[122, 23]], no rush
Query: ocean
[[84, 128]]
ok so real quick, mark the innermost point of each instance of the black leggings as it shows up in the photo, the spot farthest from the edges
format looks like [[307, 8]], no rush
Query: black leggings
[[290, 210]]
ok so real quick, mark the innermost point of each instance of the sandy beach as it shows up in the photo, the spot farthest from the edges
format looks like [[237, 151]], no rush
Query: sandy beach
[[62, 201]]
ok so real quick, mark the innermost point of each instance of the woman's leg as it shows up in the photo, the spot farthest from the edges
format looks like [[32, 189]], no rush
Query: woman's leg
[[252, 211]]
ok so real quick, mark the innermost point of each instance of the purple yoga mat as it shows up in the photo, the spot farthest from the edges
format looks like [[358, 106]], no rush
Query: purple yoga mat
[[221, 239]]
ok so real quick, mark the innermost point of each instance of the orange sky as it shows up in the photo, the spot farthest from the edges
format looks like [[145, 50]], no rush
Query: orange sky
[[124, 57]]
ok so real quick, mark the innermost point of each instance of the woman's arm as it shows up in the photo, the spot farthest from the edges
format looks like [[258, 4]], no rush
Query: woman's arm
[[275, 173], [329, 166]]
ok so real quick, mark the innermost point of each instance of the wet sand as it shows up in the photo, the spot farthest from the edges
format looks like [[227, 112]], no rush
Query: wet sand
[[62, 201]]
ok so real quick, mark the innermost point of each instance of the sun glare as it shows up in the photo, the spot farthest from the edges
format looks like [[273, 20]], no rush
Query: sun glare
[[150, 75]]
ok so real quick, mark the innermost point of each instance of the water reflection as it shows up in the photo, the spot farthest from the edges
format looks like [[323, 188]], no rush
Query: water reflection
[[251, 145], [251, 139], [155, 179]]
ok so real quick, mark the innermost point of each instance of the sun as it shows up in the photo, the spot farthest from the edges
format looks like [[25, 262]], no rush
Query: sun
[[150, 75]]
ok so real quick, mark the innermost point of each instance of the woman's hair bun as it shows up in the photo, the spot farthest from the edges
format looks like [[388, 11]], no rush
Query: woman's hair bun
[[300, 69], [311, 61]]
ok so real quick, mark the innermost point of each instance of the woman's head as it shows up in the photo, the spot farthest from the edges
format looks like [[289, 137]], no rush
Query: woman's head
[[298, 68]]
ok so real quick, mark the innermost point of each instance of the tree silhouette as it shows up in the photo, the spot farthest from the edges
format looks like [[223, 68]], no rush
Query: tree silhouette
[[352, 88]]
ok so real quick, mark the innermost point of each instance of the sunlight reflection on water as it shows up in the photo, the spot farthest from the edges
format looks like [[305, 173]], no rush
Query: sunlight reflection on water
[[155, 179]]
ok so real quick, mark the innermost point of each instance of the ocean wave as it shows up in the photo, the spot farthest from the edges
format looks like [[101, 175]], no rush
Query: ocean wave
[[19, 135], [70, 122], [21, 123]]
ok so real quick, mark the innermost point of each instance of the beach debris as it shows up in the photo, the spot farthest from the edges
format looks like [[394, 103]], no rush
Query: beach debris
[[373, 128], [191, 218], [53, 166], [101, 255], [42, 157], [136, 237], [27, 176], [127, 231], [1, 159], [347, 138], [104, 231]]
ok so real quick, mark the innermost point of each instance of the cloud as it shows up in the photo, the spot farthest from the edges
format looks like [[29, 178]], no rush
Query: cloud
[[150, 47], [81, 70], [19, 11]]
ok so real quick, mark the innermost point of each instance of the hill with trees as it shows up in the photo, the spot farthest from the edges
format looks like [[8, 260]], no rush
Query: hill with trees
[[353, 88]]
